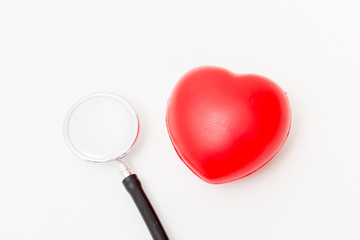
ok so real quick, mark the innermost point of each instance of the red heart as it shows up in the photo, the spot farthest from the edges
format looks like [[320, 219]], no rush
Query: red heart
[[226, 126]]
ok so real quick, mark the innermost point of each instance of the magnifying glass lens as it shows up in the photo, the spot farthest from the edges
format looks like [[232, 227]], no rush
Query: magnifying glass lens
[[101, 128]]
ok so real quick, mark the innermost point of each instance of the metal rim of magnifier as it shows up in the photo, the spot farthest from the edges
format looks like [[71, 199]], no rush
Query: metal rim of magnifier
[[79, 153]]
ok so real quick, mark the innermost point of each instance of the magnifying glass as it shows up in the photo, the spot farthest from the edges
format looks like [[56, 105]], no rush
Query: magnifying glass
[[102, 128]]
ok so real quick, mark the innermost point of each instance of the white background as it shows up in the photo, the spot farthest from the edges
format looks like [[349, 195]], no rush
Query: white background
[[54, 52]]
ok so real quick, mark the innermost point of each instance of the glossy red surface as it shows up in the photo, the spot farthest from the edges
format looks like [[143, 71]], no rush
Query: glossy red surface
[[225, 126]]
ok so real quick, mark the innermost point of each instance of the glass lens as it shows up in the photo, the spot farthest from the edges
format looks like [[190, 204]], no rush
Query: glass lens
[[101, 127]]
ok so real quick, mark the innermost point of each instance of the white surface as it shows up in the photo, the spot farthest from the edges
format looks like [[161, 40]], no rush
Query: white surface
[[54, 52]]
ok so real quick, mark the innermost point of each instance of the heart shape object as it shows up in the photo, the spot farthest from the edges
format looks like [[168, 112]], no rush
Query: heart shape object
[[225, 126]]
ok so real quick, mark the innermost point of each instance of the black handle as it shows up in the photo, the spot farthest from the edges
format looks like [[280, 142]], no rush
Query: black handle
[[133, 186]]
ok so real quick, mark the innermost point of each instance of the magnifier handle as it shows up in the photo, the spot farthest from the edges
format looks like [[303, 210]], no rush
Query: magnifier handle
[[133, 186]]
